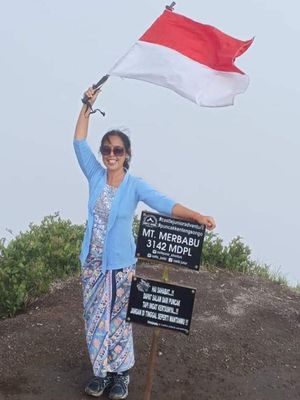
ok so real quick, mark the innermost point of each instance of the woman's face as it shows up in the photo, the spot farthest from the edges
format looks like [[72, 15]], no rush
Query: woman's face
[[113, 153]]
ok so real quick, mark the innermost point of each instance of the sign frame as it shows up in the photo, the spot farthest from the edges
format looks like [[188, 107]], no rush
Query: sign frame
[[160, 304], [169, 240]]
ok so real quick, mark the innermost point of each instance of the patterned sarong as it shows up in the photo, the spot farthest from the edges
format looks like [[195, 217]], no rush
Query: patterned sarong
[[108, 335], [105, 301]]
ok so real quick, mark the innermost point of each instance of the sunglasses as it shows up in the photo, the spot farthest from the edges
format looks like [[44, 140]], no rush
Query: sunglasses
[[117, 151]]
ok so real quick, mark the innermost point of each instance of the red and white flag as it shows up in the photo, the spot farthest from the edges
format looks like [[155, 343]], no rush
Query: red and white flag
[[193, 59]]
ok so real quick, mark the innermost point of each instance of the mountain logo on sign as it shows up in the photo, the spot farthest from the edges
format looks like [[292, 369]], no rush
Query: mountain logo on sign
[[143, 286], [150, 220]]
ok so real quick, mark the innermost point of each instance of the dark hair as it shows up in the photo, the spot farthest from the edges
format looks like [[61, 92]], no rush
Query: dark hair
[[126, 142]]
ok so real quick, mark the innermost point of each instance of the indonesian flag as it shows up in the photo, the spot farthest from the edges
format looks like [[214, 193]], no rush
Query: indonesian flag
[[193, 59]]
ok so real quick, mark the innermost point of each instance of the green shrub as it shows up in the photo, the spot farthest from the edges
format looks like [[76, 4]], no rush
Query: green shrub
[[235, 257], [213, 251], [33, 259], [49, 251]]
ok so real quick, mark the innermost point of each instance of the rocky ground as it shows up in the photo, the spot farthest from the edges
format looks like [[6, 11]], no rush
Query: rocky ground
[[244, 344]]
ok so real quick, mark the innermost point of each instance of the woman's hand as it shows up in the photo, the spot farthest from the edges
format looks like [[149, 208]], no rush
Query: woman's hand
[[186, 213], [206, 220], [92, 94]]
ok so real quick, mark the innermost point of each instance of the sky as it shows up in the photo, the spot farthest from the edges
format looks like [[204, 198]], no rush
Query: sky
[[239, 164]]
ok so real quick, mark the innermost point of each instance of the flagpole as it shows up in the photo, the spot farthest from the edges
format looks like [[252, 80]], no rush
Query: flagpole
[[171, 6], [96, 86]]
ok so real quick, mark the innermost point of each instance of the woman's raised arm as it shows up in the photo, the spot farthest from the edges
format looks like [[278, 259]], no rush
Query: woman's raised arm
[[82, 125], [86, 158]]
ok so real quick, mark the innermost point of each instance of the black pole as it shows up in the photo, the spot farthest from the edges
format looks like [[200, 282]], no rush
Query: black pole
[[171, 6], [96, 86]]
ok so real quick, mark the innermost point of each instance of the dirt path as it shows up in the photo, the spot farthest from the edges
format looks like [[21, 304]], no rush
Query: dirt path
[[244, 344]]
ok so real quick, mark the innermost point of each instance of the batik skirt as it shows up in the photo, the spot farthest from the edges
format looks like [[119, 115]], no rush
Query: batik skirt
[[105, 300]]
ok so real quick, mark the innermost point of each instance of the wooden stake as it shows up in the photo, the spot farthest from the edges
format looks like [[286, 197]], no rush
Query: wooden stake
[[151, 364], [153, 350]]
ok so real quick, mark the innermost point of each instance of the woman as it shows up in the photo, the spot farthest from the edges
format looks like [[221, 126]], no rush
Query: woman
[[107, 254]]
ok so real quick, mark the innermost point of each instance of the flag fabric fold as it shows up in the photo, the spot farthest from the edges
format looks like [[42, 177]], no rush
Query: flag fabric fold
[[193, 59]]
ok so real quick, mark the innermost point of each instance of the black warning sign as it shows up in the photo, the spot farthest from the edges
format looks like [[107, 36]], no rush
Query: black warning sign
[[170, 240], [160, 304]]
